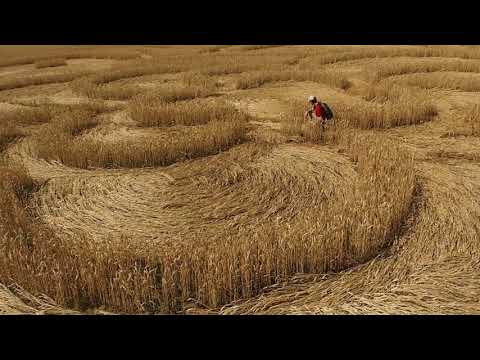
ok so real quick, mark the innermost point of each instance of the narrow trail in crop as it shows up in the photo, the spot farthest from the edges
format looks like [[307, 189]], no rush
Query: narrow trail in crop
[[432, 267]]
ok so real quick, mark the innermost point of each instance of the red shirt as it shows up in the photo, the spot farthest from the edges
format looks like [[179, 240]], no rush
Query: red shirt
[[319, 111]]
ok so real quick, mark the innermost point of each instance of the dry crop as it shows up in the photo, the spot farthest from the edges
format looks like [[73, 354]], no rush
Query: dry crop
[[8, 134], [61, 142], [54, 62], [453, 81], [192, 196], [473, 120], [23, 55], [392, 69], [217, 270], [19, 82], [253, 80], [104, 91], [189, 113]]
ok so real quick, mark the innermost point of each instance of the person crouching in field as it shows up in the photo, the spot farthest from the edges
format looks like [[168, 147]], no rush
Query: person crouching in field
[[316, 113]]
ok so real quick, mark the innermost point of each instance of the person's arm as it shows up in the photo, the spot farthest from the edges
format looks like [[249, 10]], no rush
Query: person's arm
[[308, 113]]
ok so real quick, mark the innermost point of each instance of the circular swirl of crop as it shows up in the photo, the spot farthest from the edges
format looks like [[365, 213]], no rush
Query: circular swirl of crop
[[174, 196]]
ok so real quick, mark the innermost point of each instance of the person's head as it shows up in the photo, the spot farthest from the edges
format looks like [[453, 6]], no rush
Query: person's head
[[312, 99]]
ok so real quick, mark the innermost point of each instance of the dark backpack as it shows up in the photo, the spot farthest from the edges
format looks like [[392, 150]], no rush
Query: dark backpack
[[328, 111]]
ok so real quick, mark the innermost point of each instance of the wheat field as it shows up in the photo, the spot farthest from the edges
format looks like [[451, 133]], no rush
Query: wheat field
[[185, 180]]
